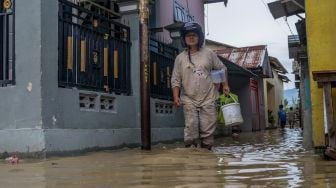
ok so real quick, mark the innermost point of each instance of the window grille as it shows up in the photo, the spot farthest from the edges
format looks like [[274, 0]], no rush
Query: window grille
[[94, 49], [7, 60]]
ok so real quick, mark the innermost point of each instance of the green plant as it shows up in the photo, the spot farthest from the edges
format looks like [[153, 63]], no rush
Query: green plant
[[271, 119], [285, 103]]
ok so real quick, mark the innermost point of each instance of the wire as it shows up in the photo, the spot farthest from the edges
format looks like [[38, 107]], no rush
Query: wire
[[188, 6], [208, 32], [289, 26], [264, 4], [282, 29]]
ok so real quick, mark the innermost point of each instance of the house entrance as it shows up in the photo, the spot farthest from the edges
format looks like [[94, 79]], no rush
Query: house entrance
[[255, 106]]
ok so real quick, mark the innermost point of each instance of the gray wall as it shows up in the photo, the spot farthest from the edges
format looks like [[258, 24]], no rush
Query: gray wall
[[262, 103], [20, 105], [36, 115], [166, 126], [69, 128], [49, 63], [239, 85]]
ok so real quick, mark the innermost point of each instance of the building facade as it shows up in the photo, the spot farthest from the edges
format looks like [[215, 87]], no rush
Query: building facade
[[273, 92], [321, 41], [70, 78]]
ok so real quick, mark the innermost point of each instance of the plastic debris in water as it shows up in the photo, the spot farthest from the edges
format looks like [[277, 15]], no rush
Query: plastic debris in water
[[235, 135]]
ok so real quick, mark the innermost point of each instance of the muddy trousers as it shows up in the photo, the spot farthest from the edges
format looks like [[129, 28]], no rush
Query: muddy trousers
[[200, 122]]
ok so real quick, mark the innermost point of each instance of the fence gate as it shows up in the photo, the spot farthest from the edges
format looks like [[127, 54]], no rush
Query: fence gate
[[94, 49], [162, 57], [6, 42]]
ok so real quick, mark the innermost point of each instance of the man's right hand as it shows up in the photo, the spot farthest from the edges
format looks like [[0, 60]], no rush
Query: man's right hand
[[177, 101]]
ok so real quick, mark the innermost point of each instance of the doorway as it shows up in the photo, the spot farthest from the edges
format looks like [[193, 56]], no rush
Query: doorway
[[255, 112]]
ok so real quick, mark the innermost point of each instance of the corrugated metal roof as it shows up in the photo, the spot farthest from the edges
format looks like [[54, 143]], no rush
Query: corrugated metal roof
[[247, 57], [284, 78], [275, 63], [233, 68]]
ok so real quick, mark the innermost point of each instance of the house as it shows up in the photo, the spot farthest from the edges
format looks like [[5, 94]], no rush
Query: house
[[262, 90], [274, 91], [239, 81], [310, 50], [249, 89], [321, 43], [69, 77], [313, 68]]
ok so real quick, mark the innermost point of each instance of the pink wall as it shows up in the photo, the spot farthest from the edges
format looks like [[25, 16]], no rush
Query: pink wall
[[165, 13]]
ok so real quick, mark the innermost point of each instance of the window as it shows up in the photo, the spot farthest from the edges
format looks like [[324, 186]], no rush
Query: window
[[181, 14], [6, 42]]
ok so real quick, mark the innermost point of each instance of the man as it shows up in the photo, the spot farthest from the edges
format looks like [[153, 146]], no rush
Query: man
[[282, 117], [291, 116], [193, 87]]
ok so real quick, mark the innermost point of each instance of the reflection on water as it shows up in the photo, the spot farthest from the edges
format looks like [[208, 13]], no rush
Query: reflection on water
[[273, 158], [270, 158]]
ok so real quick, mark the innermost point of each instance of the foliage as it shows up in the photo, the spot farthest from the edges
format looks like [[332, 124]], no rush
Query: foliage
[[294, 102], [271, 118], [285, 103]]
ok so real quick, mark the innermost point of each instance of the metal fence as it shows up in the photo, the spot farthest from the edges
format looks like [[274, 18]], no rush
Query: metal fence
[[162, 57], [94, 50], [7, 71]]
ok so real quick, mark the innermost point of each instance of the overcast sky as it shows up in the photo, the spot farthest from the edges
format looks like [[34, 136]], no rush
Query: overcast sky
[[247, 23]]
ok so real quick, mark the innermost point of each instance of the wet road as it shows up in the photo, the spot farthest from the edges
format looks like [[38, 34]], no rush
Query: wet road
[[272, 158]]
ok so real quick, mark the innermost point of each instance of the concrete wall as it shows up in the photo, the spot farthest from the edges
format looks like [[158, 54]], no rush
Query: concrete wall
[[262, 104], [321, 40], [36, 115], [69, 128], [306, 112], [166, 127], [274, 97], [239, 85], [20, 105]]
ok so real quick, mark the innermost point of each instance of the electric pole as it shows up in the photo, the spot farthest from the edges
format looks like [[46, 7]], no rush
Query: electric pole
[[144, 76]]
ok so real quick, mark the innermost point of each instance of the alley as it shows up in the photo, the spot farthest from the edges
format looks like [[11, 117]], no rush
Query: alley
[[273, 158]]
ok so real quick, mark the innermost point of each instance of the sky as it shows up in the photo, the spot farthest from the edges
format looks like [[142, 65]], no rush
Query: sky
[[249, 22]]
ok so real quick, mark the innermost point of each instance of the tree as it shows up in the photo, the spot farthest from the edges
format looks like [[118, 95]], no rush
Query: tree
[[285, 103], [294, 102]]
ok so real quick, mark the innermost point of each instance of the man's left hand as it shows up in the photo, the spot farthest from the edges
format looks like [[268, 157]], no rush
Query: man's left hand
[[226, 89]]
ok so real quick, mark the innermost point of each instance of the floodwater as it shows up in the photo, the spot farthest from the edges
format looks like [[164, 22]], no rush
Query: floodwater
[[273, 158]]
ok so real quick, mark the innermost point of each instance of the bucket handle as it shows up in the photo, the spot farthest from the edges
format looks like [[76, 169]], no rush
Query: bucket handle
[[230, 94]]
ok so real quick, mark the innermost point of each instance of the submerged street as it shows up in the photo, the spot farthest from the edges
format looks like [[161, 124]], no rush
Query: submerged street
[[272, 158]]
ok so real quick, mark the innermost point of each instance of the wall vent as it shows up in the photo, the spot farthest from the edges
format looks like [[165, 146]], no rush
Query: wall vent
[[87, 101], [107, 104], [163, 108]]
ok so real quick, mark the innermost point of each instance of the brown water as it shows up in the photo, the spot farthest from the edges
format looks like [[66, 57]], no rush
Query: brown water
[[260, 159]]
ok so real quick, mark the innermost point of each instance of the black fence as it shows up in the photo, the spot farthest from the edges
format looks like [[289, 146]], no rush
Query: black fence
[[162, 57], [94, 50], [7, 71]]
